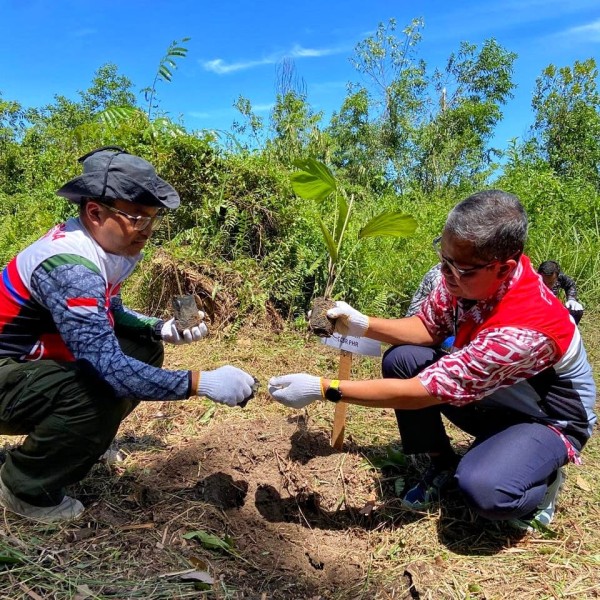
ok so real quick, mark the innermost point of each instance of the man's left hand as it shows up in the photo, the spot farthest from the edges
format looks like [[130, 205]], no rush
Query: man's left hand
[[172, 335], [297, 390]]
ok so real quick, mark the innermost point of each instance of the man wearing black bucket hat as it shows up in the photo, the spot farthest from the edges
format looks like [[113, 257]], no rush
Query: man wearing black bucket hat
[[74, 361]]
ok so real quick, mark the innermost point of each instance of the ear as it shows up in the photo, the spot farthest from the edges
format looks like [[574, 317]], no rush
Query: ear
[[507, 268], [93, 212]]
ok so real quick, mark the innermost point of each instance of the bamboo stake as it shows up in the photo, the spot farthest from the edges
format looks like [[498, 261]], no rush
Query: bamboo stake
[[339, 417]]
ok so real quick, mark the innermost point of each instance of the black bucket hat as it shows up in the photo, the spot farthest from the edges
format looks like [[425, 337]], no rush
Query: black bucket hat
[[111, 173]]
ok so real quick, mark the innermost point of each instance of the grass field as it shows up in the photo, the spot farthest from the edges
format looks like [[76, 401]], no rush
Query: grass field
[[256, 500]]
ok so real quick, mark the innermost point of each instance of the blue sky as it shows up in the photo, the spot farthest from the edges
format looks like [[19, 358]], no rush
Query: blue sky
[[49, 48]]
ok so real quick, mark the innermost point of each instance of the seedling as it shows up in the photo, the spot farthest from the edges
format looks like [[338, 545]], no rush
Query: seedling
[[314, 181]]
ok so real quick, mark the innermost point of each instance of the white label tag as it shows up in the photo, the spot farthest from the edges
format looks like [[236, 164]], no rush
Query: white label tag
[[356, 345]]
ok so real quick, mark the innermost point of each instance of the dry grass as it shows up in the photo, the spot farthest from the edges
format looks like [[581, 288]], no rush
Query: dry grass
[[297, 513]]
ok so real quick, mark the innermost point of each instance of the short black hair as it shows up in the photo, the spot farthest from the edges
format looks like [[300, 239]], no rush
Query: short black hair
[[494, 221], [549, 267]]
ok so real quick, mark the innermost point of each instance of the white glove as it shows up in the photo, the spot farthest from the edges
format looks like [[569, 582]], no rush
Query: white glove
[[171, 335], [226, 385], [573, 305], [348, 320], [297, 390]]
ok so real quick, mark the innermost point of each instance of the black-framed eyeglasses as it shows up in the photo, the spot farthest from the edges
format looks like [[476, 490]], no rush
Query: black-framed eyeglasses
[[457, 271], [138, 222]]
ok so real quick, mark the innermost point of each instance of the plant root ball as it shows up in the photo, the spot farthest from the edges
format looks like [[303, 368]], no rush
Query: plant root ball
[[319, 323]]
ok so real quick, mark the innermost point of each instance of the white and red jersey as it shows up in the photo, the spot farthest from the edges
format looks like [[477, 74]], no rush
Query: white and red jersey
[[59, 300], [26, 329], [519, 349]]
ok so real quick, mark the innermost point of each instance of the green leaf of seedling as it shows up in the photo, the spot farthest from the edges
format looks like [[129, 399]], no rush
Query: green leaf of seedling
[[314, 181], [392, 224], [210, 541], [342, 213], [331, 247]]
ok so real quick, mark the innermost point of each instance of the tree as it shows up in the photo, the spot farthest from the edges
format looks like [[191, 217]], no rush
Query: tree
[[293, 124], [356, 148], [425, 132], [452, 145], [251, 129], [566, 130], [164, 72], [152, 129], [12, 120], [108, 89], [12, 127], [394, 86]]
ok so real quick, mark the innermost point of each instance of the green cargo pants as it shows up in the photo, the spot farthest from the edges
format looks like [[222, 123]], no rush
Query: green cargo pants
[[70, 416]]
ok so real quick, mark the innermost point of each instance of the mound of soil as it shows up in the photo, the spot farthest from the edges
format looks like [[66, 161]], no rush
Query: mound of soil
[[278, 490]]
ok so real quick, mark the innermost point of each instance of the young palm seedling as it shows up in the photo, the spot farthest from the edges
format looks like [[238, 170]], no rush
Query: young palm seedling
[[314, 181]]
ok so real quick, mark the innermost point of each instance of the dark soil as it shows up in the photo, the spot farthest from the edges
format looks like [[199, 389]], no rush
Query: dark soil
[[185, 311], [319, 323], [278, 490]]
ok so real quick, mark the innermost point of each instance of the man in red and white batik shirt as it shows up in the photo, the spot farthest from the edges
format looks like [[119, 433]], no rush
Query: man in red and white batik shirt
[[518, 378]]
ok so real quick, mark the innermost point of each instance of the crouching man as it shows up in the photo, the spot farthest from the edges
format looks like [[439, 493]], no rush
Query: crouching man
[[74, 361], [518, 379]]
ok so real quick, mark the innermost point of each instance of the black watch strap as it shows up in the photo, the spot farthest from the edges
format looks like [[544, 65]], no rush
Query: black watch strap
[[333, 392]]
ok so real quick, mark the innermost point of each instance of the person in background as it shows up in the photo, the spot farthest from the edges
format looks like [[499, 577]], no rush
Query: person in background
[[428, 284], [518, 379], [557, 281], [74, 361]]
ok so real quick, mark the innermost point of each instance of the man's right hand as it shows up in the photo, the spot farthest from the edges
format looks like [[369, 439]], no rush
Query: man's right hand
[[226, 385], [348, 321]]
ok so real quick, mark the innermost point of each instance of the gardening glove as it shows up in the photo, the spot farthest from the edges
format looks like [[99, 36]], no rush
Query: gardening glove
[[297, 390], [172, 335], [348, 321], [226, 385], [574, 305]]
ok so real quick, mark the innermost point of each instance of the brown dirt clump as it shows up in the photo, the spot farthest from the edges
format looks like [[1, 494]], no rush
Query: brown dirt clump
[[319, 323]]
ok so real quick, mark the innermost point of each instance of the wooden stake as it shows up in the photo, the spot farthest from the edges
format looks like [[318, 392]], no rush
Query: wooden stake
[[339, 417]]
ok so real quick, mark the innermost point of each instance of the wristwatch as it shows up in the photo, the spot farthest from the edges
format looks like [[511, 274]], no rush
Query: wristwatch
[[333, 392]]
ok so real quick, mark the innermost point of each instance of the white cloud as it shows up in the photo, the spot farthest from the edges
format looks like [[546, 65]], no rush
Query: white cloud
[[262, 107], [220, 67], [300, 52], [585, 33]]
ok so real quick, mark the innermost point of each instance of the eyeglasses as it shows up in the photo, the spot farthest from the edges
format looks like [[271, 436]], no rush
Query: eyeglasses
[[457, 271], [139, 223]]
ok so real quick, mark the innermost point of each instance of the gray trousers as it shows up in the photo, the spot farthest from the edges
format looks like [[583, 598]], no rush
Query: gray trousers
[[70, 416]]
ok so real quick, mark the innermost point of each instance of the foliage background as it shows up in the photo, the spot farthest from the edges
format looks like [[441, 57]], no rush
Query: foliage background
[[407, 138]]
